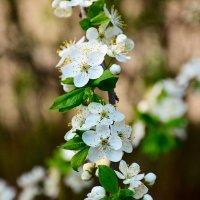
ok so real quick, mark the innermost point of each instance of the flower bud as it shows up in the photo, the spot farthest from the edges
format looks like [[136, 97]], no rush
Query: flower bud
[[115, 69], [147, 197], [150, 178], [88, 167], [86, 176]]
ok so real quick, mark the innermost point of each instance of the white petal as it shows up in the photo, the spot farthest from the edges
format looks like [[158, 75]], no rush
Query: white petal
[[109, 108], [120, 175], [95, 72], [122, 58], [134, 169], [103, 131], [106, 121], [91, 138], [92, 120], [139, 177], [123, 167], [69, 135], [140, 191], [115, 142], [95, 58], [121, 38], [95, 154], [69, 70], [114, 155], [117, 116], [81, 79], [92, 34], [127, 146], [95, 107]]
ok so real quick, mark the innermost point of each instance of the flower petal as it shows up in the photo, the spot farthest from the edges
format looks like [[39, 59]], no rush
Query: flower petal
[[95, 154], [117, 116], [92, 120], [127, 146], [95, 108], [115, 142], [81, 79], [114, 155], [92, 34], [95, 72], [123, 167], [95, 58], [91, 138], [120, 175], [103, 131]]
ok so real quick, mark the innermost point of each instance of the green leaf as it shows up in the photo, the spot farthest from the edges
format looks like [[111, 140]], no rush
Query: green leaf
[[69, 81], [68, 101], [99, 19], [125, 193], [74, 144], [85, 24], [177, 122], [79, 158], [95, 9], [106, 81], [108, 179]]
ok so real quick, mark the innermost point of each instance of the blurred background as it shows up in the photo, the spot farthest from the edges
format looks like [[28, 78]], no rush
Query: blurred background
[[166, 34]]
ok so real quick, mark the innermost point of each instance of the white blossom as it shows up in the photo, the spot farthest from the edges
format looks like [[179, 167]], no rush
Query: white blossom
[[130, 174], [97, 193], [59, 11], [6, 192], [31, 178], [139, 191], [74, 181], [105, 34], [82, 3], [120, 48], [51, 183], [102, 114], [103, 144], [85, 63], [169, 108], [78, 122], [115, 69], [189, 71], [114, 16], [29, 193], [150, 178], [124, 132]]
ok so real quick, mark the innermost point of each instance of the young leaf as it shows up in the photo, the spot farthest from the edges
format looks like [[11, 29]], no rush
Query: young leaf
[[99, 19], [125, 193], [105, 82], [79, 158], [108, 179], [95, 9], [69, 100], [85, 24], [69, 81], [74, 144]]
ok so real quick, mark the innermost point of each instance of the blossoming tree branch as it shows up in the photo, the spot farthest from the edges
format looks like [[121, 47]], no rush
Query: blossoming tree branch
[[98, 130]]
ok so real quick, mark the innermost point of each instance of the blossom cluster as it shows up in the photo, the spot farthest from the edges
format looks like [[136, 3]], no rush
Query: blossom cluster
[[165, 101], [104, 131], [82, 61], [98, 130], [131, 177], [63, 8]]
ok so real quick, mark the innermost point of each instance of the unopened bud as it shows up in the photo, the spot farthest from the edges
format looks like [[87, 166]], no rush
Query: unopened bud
[[150, 178], [115, 69]]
